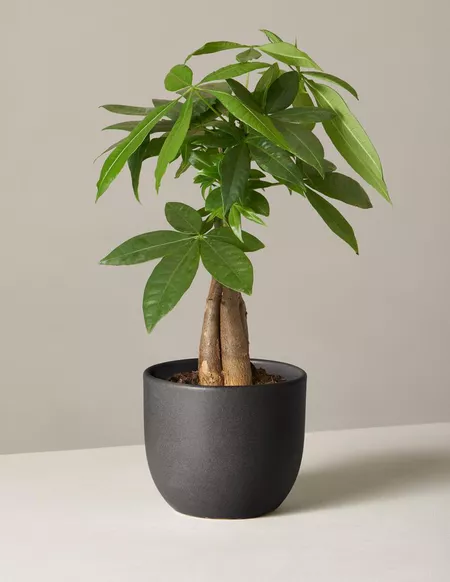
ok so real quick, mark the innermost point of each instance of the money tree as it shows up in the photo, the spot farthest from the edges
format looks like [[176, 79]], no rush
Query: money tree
[[240, 138]]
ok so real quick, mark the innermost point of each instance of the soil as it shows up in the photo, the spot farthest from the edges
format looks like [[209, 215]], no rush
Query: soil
[[260, 376]]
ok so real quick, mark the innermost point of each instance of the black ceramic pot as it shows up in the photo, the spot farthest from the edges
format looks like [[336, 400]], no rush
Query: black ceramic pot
[[224, 452]]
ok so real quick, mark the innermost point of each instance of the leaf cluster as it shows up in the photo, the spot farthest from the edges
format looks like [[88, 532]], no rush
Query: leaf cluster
[[240, 138]]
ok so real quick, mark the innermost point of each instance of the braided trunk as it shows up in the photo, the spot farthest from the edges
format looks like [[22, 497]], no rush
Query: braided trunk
[[224, 345]]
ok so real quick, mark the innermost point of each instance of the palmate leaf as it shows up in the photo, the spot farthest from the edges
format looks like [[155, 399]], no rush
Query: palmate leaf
[[248, 244], [244, 95], [333, 79], [271, 35], [135, 166], [333, 218], [349, 138], [118, 157], [235, 171], [173, 113], [126, 109], [303, 143], [234, 220], [174, 141], [342, 188], [282, 92], [169, 281], [227, 264], [183, 217], [303, 99], [231, 71], [215, 47], [257, 121], [250, 54], [303, 115], [214, 200], [123, 125], [275, 161], [266, 80], [289, 54], [154, 147], [108, 149], [146, 247], [250, 215], [257, 202], [179, 77]]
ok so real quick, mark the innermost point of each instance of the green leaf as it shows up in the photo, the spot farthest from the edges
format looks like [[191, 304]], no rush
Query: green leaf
[[235, 171], [294, 187], [126, 109], [183, 217], [275, 161], [215, 47], [214, 200], [118, 157], [227, 264], [289, 54], [173, 113], [256, 174], [153, 148], [254, 184], [145, 247], [185, 164], [248, 244], [215, 139], [303, 99], [123, 125], [250, 215], [207, 162], [333, 79], [178, 77], [235, 70], [256, 202], [271, 35], [234, 220], [174, 141], [169, 281], [135, 165], [349, 138], [333, 218], [262, 86], [215, 85], [111, 147], [257, 121], [282, 92], [303, 143], [244, 95], [162, 126], [304, 115], [342, 188], [250, 54]]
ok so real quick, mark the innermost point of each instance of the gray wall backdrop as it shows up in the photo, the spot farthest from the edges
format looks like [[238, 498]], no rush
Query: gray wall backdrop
[[373, 331]]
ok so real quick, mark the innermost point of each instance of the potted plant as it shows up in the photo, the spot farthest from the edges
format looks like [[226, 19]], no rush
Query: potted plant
[[224, 433]]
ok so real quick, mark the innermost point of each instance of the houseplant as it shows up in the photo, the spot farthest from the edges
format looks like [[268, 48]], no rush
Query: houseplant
[[224, 436]]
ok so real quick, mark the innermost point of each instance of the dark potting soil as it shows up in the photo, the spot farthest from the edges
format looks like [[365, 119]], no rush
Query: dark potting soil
[[260, 376]]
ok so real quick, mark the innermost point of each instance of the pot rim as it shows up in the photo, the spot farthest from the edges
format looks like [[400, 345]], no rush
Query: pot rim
[[295, 374]]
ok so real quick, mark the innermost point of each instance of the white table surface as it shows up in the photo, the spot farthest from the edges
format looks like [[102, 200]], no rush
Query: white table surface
[[369, 505]]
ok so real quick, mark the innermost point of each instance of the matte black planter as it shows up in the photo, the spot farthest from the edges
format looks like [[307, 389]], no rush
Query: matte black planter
[[224, 452]]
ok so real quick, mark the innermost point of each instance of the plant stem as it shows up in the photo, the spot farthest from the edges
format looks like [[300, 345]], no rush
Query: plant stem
[[210, 360], [234, 344]]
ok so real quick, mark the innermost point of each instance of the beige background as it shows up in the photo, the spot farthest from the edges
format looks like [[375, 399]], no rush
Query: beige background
[[373, 331]]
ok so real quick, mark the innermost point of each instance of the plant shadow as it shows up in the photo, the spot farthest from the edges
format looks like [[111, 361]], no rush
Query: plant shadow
[[376, 476]]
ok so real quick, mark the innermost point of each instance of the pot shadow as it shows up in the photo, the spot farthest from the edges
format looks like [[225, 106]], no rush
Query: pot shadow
[[377, 476]]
